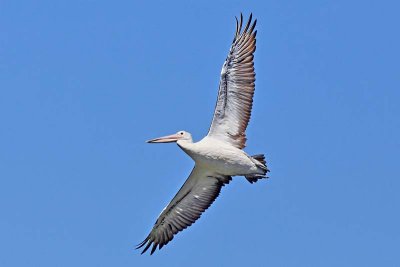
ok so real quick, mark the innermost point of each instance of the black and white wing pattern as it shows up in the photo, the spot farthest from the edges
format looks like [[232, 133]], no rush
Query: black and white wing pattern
[[236, 88], [195, 196]]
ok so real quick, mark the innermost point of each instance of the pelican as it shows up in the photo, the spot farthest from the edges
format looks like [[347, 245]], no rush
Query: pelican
[[219, 155]]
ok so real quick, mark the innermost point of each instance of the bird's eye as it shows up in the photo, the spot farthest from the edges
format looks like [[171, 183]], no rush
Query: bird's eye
[[181, 133]]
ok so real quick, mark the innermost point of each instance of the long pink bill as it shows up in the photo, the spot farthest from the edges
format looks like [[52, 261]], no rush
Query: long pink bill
[[165, 139]]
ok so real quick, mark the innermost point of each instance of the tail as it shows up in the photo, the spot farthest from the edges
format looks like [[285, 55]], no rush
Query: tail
[[262, 164]]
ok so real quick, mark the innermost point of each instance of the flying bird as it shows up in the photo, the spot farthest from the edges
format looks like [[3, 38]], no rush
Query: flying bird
[[219, 155]]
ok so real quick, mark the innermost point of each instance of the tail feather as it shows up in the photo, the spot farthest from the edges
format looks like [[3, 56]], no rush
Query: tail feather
[[260, 158]]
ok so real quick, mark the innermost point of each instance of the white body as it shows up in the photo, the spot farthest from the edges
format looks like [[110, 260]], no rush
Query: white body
[[220, 158]]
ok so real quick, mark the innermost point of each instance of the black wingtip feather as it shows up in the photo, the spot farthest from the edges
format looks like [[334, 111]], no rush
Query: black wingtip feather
[[240, 24], [248, 23], [253, 26], [147, 247], [153, 248], [142, 243]]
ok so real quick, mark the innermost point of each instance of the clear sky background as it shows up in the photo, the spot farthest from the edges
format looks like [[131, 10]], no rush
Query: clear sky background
[[84, 83]]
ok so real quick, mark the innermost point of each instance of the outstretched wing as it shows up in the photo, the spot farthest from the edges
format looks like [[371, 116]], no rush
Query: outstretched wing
[[236, 88], [195, 196]]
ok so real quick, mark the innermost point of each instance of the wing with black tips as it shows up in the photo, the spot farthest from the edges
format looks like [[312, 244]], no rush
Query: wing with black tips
[[236, 89], [195, 196]]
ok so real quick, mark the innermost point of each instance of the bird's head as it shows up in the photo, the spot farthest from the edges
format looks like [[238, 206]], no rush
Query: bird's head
[[181, 135]]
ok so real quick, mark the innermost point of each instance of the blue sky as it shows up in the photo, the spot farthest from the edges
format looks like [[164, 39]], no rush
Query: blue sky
[[84, 83]]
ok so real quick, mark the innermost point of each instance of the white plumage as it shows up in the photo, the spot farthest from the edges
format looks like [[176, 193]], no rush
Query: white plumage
[[219, 155]]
